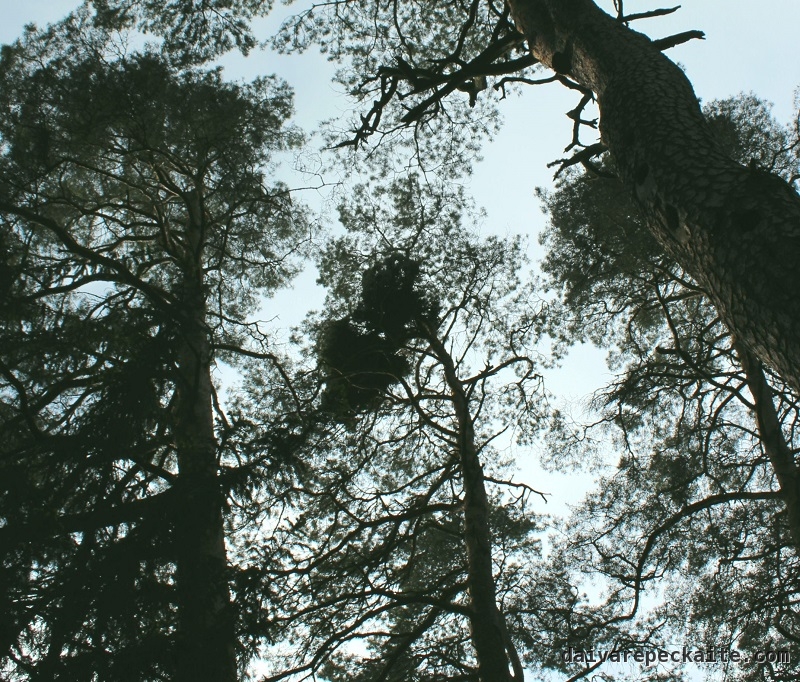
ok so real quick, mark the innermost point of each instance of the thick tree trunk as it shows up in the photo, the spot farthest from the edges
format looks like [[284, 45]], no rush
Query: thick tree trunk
[[493, 648], [735, 229], [206, 636]]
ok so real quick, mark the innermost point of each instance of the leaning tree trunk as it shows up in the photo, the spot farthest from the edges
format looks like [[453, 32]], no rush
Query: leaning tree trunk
[[494, 650], [206, 634], [736, 229]]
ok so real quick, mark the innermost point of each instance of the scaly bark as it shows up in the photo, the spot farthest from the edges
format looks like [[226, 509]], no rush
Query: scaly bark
[[493, 648], [735, 229], [206, 634]]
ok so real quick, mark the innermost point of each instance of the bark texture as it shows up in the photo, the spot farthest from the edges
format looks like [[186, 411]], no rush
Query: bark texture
[[735, 229], [493, 648]]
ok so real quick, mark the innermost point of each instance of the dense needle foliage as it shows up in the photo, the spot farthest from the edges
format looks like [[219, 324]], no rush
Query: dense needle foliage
[[138, 228]]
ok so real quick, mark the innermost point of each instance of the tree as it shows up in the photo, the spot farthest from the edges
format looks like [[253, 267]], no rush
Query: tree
[[702, 504], [732, 227], [398, 539], [139, 228]]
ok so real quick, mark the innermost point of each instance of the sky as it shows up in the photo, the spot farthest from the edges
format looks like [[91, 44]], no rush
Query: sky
[[748, 48]]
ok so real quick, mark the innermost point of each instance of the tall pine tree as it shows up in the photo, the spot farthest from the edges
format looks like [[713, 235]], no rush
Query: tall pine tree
[[139, 226]]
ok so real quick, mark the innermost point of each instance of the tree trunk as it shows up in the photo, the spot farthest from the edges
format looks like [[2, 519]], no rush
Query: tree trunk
[[735, 229], [493, 648], [206, 636], [777, 449]]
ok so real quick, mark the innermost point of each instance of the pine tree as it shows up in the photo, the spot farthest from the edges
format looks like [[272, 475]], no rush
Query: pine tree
[[701, 505], [139, 228], [405, 535]]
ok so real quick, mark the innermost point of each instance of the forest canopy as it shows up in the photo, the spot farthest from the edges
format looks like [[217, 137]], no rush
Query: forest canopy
[[190, 490]]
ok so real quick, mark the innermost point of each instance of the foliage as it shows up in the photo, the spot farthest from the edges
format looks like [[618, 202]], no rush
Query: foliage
[[374, 572], [127, 222], [424, 69], [691, 509], [191, 32], [134, 200], [362, 352]]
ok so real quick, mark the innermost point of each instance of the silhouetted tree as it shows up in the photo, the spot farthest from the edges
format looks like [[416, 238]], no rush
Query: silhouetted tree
[[702, 505], [138, 228], [400, 538]]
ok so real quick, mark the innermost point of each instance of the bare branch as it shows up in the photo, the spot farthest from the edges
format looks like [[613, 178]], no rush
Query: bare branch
[[584, 156], [678, 39], [648, 15]]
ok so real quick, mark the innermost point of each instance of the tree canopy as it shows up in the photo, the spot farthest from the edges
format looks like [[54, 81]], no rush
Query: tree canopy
[[403, 541], [702, 502], [731, 226], [351, 512], [137, 235]]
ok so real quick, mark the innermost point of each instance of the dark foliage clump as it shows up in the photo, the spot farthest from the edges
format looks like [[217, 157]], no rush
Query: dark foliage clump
[[362, 352], [391, 303], [361, 364]]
